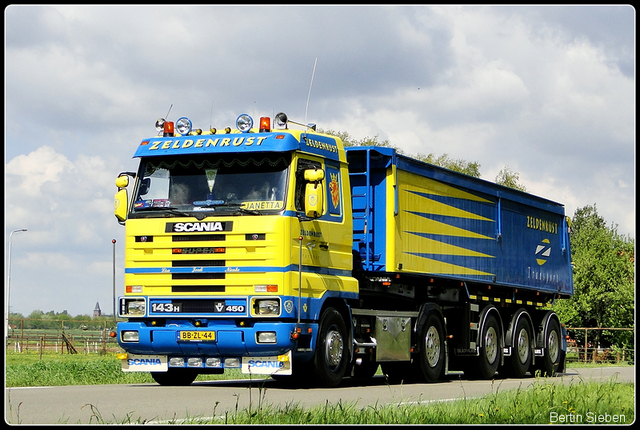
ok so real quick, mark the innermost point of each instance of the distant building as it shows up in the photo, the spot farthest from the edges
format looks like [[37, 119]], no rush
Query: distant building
[[97, 312]]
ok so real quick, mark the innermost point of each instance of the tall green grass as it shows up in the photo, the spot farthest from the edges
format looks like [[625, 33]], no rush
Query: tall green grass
[[29, 370], [541, 401]]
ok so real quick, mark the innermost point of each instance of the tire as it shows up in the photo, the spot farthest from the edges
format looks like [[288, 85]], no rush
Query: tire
[[485, 365], [552, 350], [431, 354], [332, 351], [521, 351], [175, 377]]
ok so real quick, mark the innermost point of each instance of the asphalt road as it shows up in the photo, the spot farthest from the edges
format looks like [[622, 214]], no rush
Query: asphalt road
[[156, 404]]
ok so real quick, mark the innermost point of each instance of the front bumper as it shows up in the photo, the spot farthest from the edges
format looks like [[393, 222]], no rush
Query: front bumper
[[229, 339]]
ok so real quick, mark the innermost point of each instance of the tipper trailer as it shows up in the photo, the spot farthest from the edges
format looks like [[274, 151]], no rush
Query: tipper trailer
[[278, 251]]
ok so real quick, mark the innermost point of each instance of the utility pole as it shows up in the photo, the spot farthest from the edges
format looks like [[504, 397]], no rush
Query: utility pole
[[113, 300], [6, 326]]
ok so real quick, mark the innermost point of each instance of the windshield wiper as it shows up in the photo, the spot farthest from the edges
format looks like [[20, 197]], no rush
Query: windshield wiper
[[237, 207], [198, 215]]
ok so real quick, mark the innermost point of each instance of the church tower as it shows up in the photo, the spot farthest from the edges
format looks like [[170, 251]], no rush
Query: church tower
[[97, 312]]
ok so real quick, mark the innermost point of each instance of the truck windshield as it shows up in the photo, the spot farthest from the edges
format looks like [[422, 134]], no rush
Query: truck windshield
[[180, 186]]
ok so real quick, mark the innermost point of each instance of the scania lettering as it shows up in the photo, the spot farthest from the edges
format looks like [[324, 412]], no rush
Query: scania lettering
[[139, 361], [197, 226], [277, 251]]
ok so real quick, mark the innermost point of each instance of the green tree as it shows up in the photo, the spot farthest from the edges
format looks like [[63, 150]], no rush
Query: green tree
[[603, 278], [506, 177], [471, 168], [510, 178]]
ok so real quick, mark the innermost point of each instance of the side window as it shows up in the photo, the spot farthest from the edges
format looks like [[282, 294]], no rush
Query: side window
[[303, 164]]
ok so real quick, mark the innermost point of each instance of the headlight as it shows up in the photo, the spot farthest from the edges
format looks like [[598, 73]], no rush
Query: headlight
[[266, 337], [132, 307], [267, 307], [183, 125], [176, 362], [194, 362], [213, 362], [130, 336], [244, 123]]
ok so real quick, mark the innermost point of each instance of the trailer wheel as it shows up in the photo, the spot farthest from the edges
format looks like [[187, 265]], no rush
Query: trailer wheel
[[432, 348], [552, 352], [486, 364], [330, 359], [521, 351], [175, 377]]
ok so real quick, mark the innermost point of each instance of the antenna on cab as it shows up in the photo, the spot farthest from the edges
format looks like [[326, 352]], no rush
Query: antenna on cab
[[309, 95]]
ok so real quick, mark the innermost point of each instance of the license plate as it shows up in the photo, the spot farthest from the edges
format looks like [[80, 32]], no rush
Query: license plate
[[197, 336]]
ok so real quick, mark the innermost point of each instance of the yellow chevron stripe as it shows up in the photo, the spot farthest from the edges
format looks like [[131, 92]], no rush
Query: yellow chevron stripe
[[439, 189], [430, 226], [430, 206], [430, 246], [438, 267]]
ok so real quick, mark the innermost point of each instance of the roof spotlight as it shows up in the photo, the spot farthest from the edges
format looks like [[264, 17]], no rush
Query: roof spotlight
[[281, 120], [160, 125], [183, 125], [244, 123]]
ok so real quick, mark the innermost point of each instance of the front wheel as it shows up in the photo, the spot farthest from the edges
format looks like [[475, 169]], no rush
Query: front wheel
[[332, 352]]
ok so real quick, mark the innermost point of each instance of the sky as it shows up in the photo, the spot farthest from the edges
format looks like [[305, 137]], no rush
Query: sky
[[548, 91]]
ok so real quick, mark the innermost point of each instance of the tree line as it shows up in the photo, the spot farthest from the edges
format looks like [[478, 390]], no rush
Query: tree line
[[58, 320]]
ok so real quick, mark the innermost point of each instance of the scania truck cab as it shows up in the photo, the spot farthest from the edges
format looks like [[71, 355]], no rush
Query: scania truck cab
[[236, 243]]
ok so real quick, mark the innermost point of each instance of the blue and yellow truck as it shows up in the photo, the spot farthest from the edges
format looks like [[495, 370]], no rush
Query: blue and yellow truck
[[278, 251]]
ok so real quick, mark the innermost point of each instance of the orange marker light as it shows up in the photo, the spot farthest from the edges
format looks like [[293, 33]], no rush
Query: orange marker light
[[168, 129], [265, 124]]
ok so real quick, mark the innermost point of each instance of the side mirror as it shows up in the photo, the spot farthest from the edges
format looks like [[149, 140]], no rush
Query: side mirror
[[121, 204], [122, 181], [314, 200], [314, 193], [314, 175]]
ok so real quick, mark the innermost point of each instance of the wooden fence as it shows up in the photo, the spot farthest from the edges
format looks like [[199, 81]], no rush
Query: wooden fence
[[587, 352], [62, 336], [92, 337]]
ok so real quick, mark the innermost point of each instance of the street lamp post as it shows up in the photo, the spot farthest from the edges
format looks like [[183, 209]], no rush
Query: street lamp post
[[113, 298], [6, 326]]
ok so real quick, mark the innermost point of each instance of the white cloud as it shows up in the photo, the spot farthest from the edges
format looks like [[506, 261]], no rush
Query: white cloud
[[26, 174]]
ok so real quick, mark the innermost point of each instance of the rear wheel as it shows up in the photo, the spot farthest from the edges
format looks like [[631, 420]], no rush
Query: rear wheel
[[521, 351], [175, 377], [331, 356], [552, 352], [485, 365], [431, 354]]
